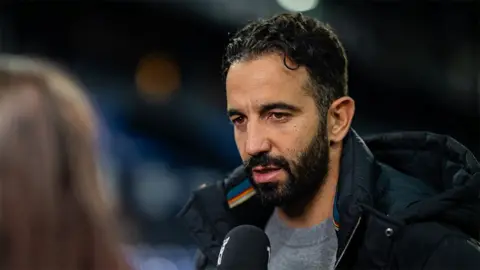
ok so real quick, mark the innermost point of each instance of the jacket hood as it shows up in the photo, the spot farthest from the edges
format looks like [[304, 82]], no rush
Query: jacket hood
[[431, 177]]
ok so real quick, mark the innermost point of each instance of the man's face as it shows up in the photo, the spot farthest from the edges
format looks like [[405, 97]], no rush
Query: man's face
[[279, 132]]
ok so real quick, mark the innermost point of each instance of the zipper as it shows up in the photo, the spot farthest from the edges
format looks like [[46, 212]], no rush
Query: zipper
[[348, 242]]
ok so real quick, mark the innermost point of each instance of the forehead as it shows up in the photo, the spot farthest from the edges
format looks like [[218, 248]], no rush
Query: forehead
[[265, 79]]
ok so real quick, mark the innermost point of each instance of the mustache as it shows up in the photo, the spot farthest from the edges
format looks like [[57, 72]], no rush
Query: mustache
[[266, 160]]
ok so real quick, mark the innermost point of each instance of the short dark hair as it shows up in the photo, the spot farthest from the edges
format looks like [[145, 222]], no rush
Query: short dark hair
[[305, 41]]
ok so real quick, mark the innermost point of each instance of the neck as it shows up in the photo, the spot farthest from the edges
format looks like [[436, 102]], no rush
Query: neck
[[320, 208]]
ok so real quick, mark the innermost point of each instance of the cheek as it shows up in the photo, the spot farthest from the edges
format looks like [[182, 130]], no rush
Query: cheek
[[300, 139], [240, 142]]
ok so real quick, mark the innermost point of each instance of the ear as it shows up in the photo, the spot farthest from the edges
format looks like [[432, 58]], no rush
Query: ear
[[340, 117]]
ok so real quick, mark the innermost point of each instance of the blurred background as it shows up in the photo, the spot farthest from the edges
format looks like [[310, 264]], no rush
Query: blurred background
[[152, 68]]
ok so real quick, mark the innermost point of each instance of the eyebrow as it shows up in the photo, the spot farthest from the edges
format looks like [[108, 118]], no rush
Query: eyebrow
[[233, 112], [278, 106], [264, 108]]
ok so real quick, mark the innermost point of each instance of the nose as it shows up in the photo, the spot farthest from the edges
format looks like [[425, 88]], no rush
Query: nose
[[257, 141]]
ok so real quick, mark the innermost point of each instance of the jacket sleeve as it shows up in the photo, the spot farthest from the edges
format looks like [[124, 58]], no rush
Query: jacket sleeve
[[201, 262], [455, 253]]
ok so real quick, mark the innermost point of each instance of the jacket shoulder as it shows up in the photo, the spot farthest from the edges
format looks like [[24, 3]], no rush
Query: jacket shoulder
[[207, 219]]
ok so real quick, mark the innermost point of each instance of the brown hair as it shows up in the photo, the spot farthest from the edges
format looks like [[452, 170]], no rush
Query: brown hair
[[54, 212]]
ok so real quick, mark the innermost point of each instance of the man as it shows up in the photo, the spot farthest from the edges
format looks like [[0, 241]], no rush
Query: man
[[326, 198]]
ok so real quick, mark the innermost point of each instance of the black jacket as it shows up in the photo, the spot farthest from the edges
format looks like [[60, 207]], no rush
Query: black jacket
[[405, 201]]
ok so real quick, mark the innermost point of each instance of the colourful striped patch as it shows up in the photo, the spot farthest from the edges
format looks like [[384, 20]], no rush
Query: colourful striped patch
[[240, 193], [337, 226], [245, 191]]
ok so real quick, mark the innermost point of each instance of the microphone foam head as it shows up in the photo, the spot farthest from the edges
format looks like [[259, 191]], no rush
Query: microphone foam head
[[244, 247]]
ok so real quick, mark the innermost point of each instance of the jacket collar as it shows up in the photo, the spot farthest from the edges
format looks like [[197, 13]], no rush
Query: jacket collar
[[355, 188]]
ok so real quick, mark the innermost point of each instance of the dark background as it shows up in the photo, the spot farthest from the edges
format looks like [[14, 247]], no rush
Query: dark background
[[412, 67]]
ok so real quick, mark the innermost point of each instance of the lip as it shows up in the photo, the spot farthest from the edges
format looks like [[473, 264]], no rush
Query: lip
[[266, 177], [262, 168]]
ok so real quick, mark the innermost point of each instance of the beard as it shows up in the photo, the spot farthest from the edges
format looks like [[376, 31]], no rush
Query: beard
[[305, 176]]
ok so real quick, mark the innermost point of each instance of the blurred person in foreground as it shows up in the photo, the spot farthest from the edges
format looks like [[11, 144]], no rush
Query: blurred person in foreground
[[327, 198], [54, 213]]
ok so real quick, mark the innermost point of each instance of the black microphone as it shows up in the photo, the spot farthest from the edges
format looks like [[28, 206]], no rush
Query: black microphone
[[244, 247]]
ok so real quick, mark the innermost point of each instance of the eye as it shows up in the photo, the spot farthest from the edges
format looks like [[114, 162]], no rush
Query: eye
[[278, 116], [238, 120]]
